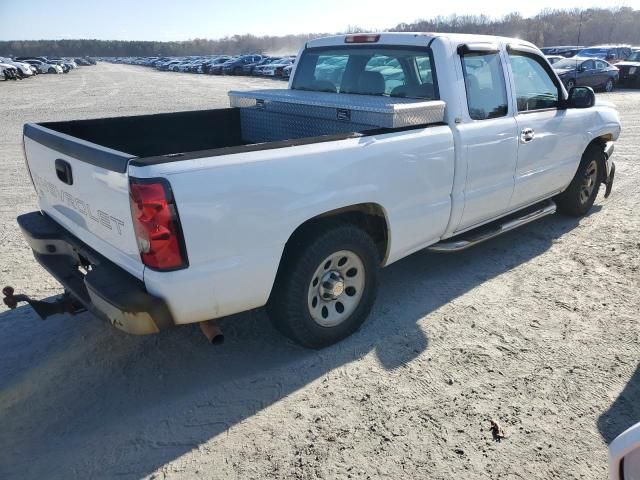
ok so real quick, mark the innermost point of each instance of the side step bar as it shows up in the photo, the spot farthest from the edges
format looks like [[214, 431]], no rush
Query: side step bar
[[473, 237]]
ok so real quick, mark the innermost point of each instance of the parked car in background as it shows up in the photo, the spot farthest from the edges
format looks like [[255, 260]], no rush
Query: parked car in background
[[166, 66], [554, 58], [610, 53], [275, 69], [214, 62], [630, 70], [587, 72], [42, 66], [215, 68], [63, 65], [563, 51], [259, 69], [67, 65], [23, 69], [9, 72], [235, 65], [286, 72], [248, 68]]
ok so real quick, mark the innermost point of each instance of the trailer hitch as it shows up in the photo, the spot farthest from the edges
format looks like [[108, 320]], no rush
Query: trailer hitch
[[64, 304]]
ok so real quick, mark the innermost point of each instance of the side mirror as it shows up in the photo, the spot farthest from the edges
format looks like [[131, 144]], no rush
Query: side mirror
[[624, 455], [581, 97]]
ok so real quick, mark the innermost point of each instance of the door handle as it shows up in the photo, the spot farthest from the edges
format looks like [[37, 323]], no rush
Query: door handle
[[527, 135]]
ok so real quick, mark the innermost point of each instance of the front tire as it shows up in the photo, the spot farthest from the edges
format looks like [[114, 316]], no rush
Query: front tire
[[579, 196], [52, 70], [326, 285], [570, 85]]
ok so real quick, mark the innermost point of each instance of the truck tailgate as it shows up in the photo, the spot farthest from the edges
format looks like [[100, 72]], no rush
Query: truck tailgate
[[85, 188]]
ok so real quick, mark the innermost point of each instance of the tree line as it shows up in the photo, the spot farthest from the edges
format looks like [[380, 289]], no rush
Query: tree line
[[549, 27]]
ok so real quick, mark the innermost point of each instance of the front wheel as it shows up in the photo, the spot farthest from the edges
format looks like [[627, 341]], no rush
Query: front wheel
[[326, 285], [570, 85], [52, 70], [579, 196]]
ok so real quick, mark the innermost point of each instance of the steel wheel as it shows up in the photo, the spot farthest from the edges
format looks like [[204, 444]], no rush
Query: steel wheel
[[609, 86], [326, 283], [589, 181], [336, 288]]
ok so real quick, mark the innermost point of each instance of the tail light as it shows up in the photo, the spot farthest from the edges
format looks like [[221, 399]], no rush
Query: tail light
[[366, 38], [156, 224]]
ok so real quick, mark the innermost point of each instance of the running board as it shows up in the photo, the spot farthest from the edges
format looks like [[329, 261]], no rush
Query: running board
[[479, 235]]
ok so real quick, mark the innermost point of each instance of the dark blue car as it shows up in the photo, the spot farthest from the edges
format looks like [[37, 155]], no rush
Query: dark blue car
[[587, 72], [235, 65]]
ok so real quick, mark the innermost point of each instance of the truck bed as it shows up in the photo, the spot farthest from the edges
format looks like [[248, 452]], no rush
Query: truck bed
[[257, 120], [157, 134]]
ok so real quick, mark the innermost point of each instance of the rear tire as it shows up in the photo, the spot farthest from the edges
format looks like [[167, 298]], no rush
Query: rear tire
[[579, 196], [608, 87], [326, 285]]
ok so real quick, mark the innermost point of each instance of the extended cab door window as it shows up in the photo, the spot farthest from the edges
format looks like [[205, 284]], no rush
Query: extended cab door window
[[485, 85], [534, 87], [489, 137]]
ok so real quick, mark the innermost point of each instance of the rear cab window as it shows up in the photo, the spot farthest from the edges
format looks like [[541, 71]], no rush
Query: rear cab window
[[401, 72]]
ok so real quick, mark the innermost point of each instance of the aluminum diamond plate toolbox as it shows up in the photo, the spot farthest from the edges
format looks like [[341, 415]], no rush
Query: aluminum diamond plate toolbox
[[271, 115]]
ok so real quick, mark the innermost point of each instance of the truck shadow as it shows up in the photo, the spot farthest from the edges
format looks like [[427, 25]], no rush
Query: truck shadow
[[624, 412], [81, 399]]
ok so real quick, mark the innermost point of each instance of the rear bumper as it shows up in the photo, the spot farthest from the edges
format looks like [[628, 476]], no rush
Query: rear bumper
[[103, 288]]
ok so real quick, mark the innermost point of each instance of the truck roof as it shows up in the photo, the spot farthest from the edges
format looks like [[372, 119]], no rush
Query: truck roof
[[415, 39]]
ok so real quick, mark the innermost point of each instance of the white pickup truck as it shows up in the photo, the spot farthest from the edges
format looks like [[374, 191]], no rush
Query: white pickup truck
[[383, 144]]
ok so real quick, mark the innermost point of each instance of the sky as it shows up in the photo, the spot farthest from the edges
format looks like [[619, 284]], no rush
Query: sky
[[187, 19]]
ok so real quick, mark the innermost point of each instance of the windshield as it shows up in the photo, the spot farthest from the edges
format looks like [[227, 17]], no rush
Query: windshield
[[365, 70], [634, 57], [566, 63], [593, 52]]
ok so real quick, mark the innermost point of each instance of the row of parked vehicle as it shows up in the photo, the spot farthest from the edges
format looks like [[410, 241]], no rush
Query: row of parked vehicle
[[600, 67], [252, 64], [24, 67]]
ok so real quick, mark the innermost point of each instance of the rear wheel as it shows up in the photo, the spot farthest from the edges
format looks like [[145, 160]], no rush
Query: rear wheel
[[578, 198], [608, 87], [326, 285]]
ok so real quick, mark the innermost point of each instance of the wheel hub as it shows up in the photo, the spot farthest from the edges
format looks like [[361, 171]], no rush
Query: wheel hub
[[331, 285], [335, 288]]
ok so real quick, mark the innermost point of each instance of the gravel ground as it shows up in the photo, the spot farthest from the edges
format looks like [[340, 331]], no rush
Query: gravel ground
[[537, 329]]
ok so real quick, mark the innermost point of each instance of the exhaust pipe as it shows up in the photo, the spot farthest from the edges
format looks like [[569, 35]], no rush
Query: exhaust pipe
[[212, 332]]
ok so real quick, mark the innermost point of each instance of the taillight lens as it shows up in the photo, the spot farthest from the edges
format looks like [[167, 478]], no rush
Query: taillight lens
[[156, 223]]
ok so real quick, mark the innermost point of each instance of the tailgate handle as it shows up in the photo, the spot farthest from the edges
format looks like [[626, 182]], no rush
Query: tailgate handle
[[63, 171]]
